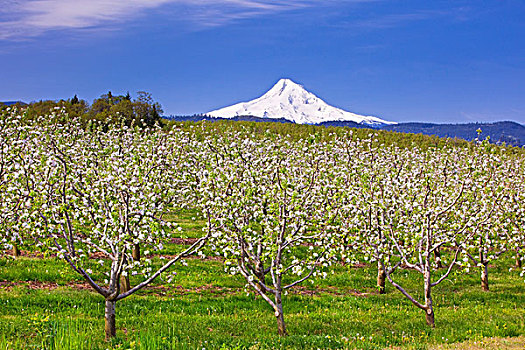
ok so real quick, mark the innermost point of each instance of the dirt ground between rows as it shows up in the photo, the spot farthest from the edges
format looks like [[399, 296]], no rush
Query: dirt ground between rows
[[176, 289], [485, 344]]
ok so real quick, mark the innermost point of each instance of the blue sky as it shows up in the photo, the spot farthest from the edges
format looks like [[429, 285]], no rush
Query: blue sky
[[406, 60]]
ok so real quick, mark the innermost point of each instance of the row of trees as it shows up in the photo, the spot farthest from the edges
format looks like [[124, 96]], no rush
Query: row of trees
[[142, 111], [279, 210]]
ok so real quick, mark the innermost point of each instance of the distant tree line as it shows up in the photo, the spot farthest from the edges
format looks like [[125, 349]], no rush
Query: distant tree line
[[239, 118], [505, 132], [142, 111]]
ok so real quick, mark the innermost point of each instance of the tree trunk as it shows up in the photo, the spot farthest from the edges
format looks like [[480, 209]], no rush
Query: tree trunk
[[518, 260], [281, 326], [429, 315], [136, 252], [16, 251], [429, 311], [381, 279], [485, 277], [437, 255], [124, 284], [109, 317]]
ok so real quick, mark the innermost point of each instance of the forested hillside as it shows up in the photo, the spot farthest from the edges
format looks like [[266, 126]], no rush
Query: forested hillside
[[510, 133]]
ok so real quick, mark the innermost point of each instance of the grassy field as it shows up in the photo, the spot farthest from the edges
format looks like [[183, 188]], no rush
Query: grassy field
[[44, 304]]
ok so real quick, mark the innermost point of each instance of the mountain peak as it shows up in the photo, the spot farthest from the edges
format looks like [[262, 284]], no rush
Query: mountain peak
[[288, 83], [285, 86], [291, 101]]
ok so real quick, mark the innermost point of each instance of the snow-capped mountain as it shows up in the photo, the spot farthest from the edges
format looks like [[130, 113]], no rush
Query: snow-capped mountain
[[291, 101]]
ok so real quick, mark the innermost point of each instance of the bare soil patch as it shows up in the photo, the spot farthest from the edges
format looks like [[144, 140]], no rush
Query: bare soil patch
[[485, 343]]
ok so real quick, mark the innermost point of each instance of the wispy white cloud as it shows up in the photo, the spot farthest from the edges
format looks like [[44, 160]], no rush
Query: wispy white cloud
[[30, 18]]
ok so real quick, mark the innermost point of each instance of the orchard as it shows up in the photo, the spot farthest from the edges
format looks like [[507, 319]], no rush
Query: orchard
[[242, 236]]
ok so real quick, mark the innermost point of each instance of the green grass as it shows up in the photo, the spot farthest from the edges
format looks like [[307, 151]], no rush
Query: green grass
[[203, 307]]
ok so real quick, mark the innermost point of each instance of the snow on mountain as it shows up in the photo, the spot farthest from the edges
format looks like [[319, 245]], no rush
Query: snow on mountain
[[291, 101]]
